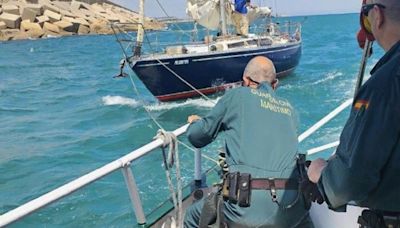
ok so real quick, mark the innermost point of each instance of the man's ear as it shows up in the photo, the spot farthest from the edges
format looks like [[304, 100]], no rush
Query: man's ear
[[246, 81], [275, 83], [380, 18]]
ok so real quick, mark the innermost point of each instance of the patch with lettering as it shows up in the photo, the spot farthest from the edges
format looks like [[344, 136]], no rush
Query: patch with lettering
[[275, 107], [272, 103]]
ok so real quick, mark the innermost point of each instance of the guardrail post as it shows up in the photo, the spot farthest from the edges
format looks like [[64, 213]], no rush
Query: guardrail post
[[134, 194], [197, 167]]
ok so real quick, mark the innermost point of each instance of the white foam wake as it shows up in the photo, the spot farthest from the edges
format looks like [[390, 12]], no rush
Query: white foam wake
[[329, 76], [118, 100], [190, 102]]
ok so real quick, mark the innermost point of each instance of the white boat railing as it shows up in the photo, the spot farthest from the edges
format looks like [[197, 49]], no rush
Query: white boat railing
[[154, 41], [121, 163], [325, 120], [124, 163]]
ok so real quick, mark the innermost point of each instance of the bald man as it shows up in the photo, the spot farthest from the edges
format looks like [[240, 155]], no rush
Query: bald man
[[366, 166], [260, 142]]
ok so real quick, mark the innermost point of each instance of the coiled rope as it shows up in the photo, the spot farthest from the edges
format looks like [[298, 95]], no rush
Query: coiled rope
[[171, 159]]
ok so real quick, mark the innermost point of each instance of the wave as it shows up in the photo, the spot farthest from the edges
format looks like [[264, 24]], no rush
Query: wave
[[329, 76], [118, 100], [190, 102], [6, 109]]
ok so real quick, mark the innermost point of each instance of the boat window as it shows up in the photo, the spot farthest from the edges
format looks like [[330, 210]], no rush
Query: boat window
[[265, 42], [234, 45], [252, 42]]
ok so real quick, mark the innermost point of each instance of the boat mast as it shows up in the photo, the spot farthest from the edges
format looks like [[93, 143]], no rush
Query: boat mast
[[222, 14], [140, 32]]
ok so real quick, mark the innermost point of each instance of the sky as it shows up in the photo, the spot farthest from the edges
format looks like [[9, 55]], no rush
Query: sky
[[176, 8]]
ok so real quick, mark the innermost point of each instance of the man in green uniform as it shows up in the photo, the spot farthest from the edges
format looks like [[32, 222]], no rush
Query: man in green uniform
[[261, 140], [365, 168]]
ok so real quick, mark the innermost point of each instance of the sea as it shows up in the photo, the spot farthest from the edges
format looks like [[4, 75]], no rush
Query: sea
[[62, 115]]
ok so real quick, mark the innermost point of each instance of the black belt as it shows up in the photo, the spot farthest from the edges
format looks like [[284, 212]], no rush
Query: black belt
[[272, 183], [237, 187]]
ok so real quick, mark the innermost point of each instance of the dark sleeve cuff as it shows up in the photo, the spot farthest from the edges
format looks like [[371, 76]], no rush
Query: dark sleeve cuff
[[322, 191]]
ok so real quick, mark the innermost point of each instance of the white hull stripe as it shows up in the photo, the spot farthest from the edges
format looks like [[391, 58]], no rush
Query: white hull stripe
[[243, 55], [153, 64]]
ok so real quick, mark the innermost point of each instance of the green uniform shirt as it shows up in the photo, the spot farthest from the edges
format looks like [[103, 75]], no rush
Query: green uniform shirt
[[260, 138], [366, 166]]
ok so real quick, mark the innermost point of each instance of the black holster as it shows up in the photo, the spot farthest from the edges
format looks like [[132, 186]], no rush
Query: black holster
[[308, 189]]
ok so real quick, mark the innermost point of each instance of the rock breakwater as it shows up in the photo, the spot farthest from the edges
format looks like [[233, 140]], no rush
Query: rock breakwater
[[20, 19]]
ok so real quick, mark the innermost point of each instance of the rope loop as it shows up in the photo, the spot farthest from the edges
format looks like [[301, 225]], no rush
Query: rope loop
[[169, 139]]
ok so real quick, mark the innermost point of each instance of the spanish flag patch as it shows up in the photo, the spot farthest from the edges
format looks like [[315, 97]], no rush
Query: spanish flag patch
[[361, 104]]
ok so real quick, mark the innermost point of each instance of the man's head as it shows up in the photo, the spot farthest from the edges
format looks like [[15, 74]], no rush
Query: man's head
[[259, 69], [384, 17]]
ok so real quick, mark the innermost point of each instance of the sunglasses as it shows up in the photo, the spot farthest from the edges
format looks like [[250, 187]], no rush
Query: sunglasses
[[255, 82], [251, 80], [364, 15], [367, 7]]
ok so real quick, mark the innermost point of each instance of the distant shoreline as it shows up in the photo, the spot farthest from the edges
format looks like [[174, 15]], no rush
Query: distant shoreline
[[44, 18]]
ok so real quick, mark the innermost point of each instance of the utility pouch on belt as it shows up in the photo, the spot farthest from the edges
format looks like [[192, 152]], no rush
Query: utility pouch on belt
[[244, 193], [233, 186], [237, 189]]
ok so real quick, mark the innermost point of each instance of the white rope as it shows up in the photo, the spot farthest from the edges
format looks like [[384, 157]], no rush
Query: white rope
[[194, 150], [169, 139], [184, 81], [175, 74], [159, 125]]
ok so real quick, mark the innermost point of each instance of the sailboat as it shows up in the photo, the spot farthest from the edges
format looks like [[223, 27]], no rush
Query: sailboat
[[216, 62]]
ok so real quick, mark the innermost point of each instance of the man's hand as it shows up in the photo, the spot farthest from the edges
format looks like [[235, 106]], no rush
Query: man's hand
[[193, 118], [315, 169]]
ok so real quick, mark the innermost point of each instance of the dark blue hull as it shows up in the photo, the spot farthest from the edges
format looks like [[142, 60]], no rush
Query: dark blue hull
[[209, 72]]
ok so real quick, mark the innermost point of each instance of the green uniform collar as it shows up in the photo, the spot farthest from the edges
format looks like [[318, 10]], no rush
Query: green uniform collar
[[392, 51], [265, 86]]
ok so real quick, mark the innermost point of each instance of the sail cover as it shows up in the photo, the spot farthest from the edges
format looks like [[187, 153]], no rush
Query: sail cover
[[207, 12]]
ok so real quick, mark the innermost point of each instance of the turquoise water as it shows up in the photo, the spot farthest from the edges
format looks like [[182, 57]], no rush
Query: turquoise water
[[63, 115]]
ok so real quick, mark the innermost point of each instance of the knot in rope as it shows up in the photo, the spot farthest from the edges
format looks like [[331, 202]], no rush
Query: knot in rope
[[169, 139]]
